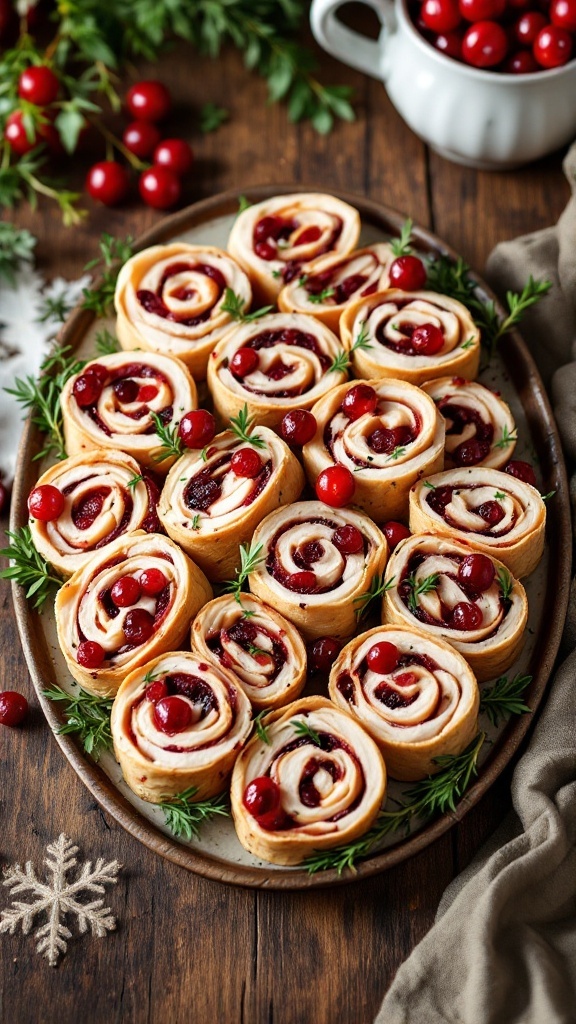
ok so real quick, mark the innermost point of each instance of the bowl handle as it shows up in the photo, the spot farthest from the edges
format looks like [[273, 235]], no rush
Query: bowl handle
[[348, 46]]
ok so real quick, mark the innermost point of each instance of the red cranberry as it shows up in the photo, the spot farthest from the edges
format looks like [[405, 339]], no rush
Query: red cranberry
[[13, 708], [152, 582], [407, 273], [382, 657], [141, 138], [522, 471], [491, 512], [481, 10], [244, 361], [46, 503], [395, 532], [265, 251], [147, 393], [172, 714], [197, 428], [449, 43], [528, 26], [268, 227], [466, 616], [440, 15], [138, 626], [126, 391], [427, 340], [361, 400], [87, 390], [246, 462], [563, 14], [299, 426], [523, 62], [38, 85], [348, 540], [322, 654], [485, 44], [108, 182], [156, 691], [99, 371], [477, 572], [159, 188], [335, 486], [553, 47], [149, 101], [176, 155], [90, 654], [302, 582], [262, 799], [385, 440], [125, 592], [470, 453]]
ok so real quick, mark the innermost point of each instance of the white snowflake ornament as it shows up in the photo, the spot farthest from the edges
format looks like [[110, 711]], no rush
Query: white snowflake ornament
[[58, 898]]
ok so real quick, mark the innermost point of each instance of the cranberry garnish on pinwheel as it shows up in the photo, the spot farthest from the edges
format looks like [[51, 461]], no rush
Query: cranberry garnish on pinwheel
[[470, 599], [315, 781], [104, 495], [419, 705], [114, 601], [296, 363], [261, 648], [387, 434], [495, 513], [480, 429], [330, 283], [272, 240], [178, 722], [170, 298], [135, 394], [213, 500], [414, 336], [312, 568]]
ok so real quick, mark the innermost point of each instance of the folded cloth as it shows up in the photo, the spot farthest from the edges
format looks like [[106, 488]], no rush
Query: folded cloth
[[503, 948]]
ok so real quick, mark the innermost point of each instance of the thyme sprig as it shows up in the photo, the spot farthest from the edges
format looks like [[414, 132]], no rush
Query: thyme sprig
[[87, 717], [505, 698], [319, 297], [28, 568], [114, 252], [42, 397], [377, 588], [401, 246], [16, 247], [506, 439], [185, 818], [235, 306], [212, 117], [303, 728], [106, 343], [259, 727], [171, 442], [241, 425], [426, 585], [250, 558], [434, 795], [341, 362]]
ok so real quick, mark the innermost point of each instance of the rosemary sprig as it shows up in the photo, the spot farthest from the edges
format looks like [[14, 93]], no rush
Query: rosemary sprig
[[87, 716], [106, 343], [467, 344], [398, 452], [113, 253], [243, 204], [171, 442], [259, 727], [319, 297], [195, 524], [506, 583], [185, 818], [302, 728], [449, 278], [340, 363], [134, 481], [241, 425], [424, 587], [401, 246], [362, 339], [506, 439], [151, 676], [434, 795], [42, 397], [428, 485], [235, 306], [505, 698], [377, 588], [16, 247], [250, 558], [546, 497], [28, 569], [254, 651]]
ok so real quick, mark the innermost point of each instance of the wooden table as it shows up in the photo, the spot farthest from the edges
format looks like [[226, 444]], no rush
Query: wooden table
[[186, 949]]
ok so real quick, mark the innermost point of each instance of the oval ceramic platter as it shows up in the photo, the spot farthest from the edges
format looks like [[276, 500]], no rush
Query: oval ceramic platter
[[217, 854]]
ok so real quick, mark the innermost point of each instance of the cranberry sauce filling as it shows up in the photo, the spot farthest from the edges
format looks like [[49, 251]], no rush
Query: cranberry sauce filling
[[153, 302], [201, 694], [126, 391], [279, 369], [85, 511], [271, 231], [308, 793], [163, 604], [304, 557], [151, 522], [203, 490], [382, 441], [346, 686], [244, 633], [490, 511], [401, 345], [343, 291]]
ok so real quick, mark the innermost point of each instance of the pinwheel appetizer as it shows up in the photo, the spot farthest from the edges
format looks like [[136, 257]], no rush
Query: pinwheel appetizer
[[280, 362], [329, 284], [103, 495], [416, 696], [388, 433], [178, 722], [448, 590], [263, 651], [272, 239], [316, 566], [413, 336], [493, 512], [480, 429], [213, 500], [169, 299], [112, 404], [129, 603], [316, 781]]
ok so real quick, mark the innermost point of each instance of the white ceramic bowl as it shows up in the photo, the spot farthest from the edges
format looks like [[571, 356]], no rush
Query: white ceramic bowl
[[481, 118]]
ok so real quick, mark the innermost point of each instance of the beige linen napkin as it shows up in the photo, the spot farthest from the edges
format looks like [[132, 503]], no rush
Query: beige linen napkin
[[503, 948]]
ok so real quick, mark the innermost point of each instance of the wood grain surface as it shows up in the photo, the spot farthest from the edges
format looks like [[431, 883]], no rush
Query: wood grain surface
[[188, 950]]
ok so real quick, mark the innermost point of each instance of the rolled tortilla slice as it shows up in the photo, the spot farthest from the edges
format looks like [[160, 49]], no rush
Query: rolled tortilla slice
[[261, 648], [179, 722], [169, 300], [486, 626], [327, 776], [491, 511], [132, 634], [272, 239], [424, 708], [480, 429], [209, 510], [303, 573]]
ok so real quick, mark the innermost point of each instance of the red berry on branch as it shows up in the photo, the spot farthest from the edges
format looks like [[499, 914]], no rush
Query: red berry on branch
[[149, 101], [159, 188], [13, 708], [38, 85], [298, 426], [141, 138], [335, 486], [15, 134], [174, 154], [46, 503], [108, 182], [408, 273], [197, 428]]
